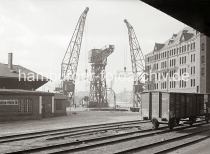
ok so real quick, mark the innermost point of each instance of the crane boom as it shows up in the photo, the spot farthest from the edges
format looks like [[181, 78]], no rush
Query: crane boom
[[138, 63], [71, 58], [137, 57]]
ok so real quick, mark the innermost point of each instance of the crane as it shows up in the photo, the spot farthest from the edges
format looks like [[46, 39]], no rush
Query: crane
[[98, 90], [71, 58], [138, 65]]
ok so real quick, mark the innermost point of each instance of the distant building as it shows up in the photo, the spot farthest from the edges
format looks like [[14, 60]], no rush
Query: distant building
[[18, 77], [181, 64]]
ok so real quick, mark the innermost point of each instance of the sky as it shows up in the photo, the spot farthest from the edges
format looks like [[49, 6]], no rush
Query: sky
[[37, 32]]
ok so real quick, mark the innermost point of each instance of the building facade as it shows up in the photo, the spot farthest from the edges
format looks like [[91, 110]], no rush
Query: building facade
[[16, 104], [180, 64], [18, 98]]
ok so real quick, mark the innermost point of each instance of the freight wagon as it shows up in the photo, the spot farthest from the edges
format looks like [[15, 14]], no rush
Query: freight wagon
[[170, 108]]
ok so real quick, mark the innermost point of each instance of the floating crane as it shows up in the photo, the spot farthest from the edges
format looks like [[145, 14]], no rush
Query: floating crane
[[98, 89], [138, 65], [71, 58]]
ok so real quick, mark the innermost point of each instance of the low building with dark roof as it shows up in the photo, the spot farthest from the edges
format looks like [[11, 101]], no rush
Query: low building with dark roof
[[18, 98], [17, 104], [18, 77]]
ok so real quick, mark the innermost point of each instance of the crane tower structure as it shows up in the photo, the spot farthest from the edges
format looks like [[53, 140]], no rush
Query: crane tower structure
[[98, 89], [138, 65], [71, 58]]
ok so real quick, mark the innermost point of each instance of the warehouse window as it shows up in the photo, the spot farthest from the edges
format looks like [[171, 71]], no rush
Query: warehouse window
[[25, 105], [185, 83], [202, 46], [203, 59], [8, 102], [58, 105], [192, 81], [192, 58], [194, 45], [202, 71]]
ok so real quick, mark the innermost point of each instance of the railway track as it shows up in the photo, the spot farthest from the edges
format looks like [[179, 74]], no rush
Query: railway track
[[170, 144], [103, 141], [74, 131]]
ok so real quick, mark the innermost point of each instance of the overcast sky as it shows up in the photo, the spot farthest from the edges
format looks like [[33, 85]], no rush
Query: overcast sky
[[38, 32]]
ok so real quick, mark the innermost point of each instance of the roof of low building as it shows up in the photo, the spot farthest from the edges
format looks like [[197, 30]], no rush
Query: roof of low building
[[60, 96], [19, 77], [18, 71], [20, 91]]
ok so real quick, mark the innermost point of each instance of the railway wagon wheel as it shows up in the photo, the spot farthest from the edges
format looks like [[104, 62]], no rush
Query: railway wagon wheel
[[155, 123], [207, 118], [177, 121], [192, 120], [171, 123]]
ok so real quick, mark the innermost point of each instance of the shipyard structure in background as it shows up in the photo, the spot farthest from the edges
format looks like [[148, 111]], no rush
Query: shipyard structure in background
[[180, 64]]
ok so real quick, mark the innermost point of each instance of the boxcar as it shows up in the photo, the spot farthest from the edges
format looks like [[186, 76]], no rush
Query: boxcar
[[146, 105], [170, 108]]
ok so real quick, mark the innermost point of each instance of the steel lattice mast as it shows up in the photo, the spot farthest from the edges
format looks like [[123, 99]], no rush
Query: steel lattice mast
[[138, 63], [71, 57], [98, 90]]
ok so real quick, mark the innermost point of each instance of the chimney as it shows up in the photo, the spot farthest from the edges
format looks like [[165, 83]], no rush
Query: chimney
[[10, 65]]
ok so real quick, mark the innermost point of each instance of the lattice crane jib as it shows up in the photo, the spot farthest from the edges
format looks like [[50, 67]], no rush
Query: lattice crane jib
[[138, 63], [71, 58], [137, 57]]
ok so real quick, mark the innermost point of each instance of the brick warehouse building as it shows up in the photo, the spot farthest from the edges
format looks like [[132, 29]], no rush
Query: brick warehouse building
[[18, 98], [185, 52]]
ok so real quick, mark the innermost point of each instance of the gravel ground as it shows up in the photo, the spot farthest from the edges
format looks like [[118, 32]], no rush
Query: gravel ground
[[202, 147], [109, 149], [76, 118]]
